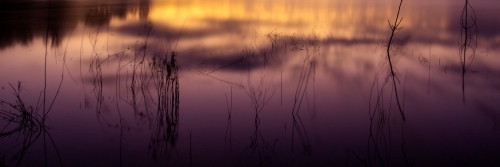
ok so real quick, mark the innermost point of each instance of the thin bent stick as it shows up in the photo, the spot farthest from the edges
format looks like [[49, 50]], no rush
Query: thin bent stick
[[394, 28]]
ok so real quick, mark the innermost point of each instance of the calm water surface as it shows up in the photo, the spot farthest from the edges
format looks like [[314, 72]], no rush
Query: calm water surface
[[249, 83]]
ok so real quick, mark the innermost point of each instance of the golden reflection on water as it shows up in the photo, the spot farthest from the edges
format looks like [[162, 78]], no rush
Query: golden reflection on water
[[240, 24], [337, 18], [357, 29]]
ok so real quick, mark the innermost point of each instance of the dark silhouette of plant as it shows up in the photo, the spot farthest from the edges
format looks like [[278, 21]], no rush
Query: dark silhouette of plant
[[26, 122], [394, 30], [166, 80], [468, 39]]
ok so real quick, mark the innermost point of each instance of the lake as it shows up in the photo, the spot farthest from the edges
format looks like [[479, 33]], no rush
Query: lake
[[249, 83]]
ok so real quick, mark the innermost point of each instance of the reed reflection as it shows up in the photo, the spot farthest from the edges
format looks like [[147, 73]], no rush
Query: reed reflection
[[259, 95], [383, 134], [307, 74], [468, 40], [229, 128], [140, 76], [165, 74], [27, 124], [95, 69], [29, 121]]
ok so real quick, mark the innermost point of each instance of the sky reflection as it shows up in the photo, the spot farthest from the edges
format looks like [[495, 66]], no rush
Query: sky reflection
[[162, 82]]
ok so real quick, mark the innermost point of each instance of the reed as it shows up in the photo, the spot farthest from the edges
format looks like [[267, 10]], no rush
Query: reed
[[27, 122], [165, 74], [96, 73], [307, 74], [260, 94], [394, 30], [380, 148], [229, 127], [468, 39]]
